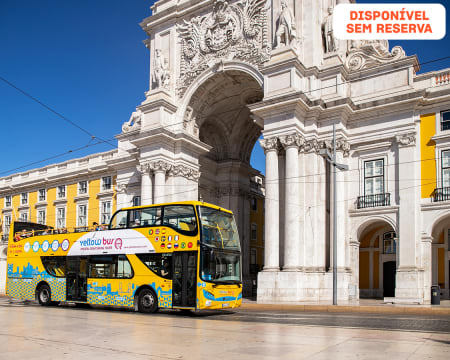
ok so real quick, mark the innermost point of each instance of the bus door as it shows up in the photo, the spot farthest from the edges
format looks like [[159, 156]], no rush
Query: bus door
[[184, 279], [76, 278]]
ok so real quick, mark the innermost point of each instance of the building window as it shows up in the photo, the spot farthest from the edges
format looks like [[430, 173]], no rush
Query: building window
[[82, 187], [24, 198], [137, 201], [82, 215], [446, 168], [61, 191], [253, 256], [106, 183], [42, 195], [106, 212], [254, 204], [60, 218], [8, 200], [41, 217], [389, 243], [6, 225], [254, 232], [374, 177], [445, 120], [23, 216]]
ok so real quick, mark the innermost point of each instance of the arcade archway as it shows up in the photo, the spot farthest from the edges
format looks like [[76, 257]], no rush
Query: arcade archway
[[440, 255], [377, 260], [220, 111]]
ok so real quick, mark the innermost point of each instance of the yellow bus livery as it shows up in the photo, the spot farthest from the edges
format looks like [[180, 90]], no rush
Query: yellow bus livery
[[183, 255]]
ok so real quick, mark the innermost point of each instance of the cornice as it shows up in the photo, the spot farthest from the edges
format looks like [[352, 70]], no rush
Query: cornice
[[374, 211]]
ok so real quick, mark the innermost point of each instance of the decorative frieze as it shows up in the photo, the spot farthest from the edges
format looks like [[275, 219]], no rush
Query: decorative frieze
[[231, 31], [406, 139], [183, 171]]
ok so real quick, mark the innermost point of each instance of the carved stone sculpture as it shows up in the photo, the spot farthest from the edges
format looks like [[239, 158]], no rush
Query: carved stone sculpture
[[269, 144], [368, 53], [285, 33], [237, 31], [133, 123], [296, 140], [330, 42], [406, 139], [160, 75]]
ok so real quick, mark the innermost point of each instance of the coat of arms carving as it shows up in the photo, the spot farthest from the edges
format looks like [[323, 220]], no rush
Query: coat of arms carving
[[230, 31]]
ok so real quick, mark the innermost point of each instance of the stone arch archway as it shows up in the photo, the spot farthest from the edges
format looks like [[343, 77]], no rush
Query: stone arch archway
[[217, 109], [440, 253], [377, 257]]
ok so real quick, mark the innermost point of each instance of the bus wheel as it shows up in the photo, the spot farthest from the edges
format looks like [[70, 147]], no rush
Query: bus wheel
[[147, 301], [44, 295]]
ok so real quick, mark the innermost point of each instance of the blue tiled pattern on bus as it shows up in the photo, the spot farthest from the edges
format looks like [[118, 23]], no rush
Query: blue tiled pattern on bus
[[22, 283], [100, 294], [164, 296]]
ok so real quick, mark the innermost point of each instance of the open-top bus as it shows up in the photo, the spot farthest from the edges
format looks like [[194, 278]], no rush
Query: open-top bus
[[183, 255]]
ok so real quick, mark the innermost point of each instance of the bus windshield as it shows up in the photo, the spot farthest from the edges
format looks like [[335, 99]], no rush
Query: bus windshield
[[219, 229], [220, 267]]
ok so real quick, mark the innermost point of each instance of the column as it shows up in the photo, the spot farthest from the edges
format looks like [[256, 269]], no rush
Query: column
[[291, 144], [408, 207], [160, 168], [146, 184], [341, 207], [407, 284], [271, 251], [426, 267]]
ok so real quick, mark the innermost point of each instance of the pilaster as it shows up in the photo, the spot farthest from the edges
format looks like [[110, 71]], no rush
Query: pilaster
[[408, 289]]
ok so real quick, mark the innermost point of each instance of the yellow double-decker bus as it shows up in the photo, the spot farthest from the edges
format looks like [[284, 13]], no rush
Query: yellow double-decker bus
[[183, 255]]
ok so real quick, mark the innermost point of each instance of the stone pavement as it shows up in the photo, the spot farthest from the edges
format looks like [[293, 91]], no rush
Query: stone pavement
[[364, 306]]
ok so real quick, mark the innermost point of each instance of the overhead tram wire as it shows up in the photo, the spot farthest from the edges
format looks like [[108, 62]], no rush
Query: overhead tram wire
[[52, 157], [53, 111]]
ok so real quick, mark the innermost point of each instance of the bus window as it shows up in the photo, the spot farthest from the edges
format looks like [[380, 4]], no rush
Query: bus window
[[160, 264], [54, 265], [119, 221], [181, 218], [110, 267], [145, 217]]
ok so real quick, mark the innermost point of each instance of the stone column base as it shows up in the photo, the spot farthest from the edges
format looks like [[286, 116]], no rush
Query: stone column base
[[408, 286], [300, 286]]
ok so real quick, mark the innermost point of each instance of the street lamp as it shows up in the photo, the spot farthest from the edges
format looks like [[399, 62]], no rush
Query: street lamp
[[331, 158]]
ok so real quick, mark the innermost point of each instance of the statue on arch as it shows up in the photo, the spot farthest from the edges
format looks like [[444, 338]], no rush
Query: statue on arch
[[328, 34], [160, 76], [285, 33]]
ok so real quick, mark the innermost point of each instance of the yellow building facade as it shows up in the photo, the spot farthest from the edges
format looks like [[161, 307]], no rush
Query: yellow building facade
[[378, 245], [58, 197]]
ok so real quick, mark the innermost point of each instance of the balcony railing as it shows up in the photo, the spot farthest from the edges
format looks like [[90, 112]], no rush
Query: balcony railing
[[369, 201], [441, 194]]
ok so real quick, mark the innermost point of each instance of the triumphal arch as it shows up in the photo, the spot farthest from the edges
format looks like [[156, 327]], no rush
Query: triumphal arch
[[225, 73]]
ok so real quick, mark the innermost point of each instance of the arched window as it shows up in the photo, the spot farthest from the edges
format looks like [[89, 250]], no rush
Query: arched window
[[390, 242]]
